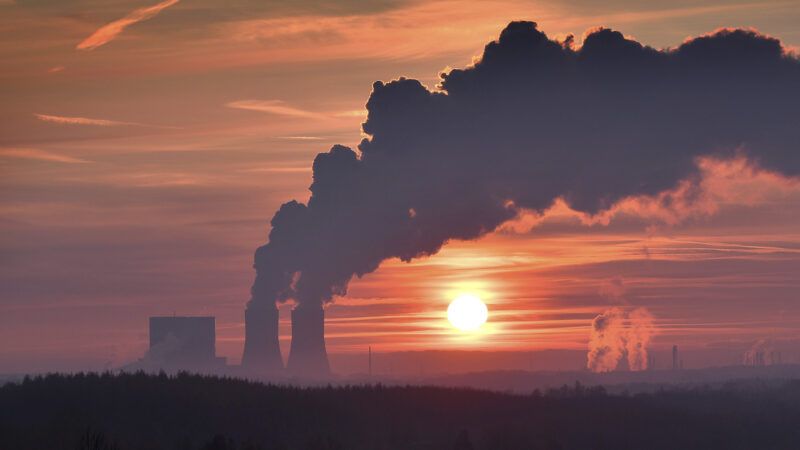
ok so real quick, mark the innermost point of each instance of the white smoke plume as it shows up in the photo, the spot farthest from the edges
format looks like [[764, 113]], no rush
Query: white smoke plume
[[762, 353], [620, 337]]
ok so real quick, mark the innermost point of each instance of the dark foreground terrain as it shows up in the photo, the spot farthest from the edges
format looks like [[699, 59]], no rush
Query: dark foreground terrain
[[138, 411]]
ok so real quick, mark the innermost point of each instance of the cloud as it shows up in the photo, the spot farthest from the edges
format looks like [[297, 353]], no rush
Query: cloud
[[531, 123], [65, 120], [39, 155], [110, 31], [276, 107], [80, 120], [735, 181], [279, 169], [299, 138]]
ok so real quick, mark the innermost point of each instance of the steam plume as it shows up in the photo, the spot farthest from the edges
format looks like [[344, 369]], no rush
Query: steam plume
[[762, 353], [620, 337], [534, 121]]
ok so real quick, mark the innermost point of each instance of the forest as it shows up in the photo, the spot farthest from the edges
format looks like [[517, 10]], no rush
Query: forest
[[126, 411]]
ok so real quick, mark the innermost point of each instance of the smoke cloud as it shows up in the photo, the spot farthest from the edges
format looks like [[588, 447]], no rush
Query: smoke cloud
[[620, 338], [762, 353], [533, 122]]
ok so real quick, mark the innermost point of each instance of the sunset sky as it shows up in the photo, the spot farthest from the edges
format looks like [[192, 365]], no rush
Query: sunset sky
[[144, 147]]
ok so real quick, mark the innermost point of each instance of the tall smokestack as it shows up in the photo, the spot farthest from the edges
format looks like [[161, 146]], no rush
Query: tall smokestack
[[262, 353], [674, 357], [307, 355]]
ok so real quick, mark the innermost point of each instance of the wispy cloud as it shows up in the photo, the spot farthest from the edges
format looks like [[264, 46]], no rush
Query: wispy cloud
[[279, 169], [353, 113], [39, 155], [67, 120], [81, 120], [109, 32], [277, 107], [299, 138]]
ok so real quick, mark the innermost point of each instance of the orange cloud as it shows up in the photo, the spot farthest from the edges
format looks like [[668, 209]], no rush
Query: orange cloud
[[39, 155], [277, 107], [722, 182], [109, 32], [80, 120], [67, 120]]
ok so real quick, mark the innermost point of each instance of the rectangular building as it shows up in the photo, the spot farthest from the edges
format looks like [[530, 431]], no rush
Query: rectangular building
[[183, 341]]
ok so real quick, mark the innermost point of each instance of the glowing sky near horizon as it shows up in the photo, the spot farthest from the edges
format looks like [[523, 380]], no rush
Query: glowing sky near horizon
[[139, 171]]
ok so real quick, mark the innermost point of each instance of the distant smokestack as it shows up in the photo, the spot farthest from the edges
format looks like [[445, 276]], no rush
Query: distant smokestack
[[307, 355], [675, 365], [262, 353]]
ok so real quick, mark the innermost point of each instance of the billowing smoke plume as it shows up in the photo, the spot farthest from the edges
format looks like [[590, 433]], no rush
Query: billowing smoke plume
[[619, 339], [762, 353], [533, 121]]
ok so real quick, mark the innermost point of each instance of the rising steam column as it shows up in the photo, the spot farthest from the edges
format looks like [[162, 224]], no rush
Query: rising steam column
[[262, 353], [307, 356]]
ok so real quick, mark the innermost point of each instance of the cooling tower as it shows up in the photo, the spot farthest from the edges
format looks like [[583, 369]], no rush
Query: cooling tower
[[262, 353], [307, 356]]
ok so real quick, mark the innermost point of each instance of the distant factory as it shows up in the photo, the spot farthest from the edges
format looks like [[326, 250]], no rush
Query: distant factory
[[182, 343]]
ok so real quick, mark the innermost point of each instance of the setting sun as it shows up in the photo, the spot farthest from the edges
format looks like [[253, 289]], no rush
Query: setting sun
[[467, 312]]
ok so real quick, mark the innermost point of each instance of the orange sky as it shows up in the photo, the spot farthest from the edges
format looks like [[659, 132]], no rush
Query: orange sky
[[145, 145]]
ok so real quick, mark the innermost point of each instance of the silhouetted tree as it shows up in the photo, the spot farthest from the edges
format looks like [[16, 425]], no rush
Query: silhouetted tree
[[95, 440], [183, 412]]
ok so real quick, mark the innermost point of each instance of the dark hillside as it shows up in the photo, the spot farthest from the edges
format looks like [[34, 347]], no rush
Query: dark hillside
[[138, 411]]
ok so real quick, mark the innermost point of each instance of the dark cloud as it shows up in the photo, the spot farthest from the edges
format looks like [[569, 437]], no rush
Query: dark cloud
[[533, 121]]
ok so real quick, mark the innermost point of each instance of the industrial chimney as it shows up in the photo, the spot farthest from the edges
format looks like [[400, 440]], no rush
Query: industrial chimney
[[307, 355], [675, 357], [262, 353]]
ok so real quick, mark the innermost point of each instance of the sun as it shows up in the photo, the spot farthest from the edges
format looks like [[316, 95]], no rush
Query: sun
[[467, 312]]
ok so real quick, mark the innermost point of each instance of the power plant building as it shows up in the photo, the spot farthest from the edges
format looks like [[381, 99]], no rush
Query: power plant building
[[179, 342]]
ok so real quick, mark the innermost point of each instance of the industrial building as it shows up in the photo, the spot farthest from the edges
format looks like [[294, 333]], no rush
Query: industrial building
[[180, 342]]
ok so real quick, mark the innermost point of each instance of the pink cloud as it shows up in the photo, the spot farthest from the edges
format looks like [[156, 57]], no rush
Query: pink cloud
[[80, 120], [39, 155], [736, 181], [110, 31], [71, 120], [277, 107]]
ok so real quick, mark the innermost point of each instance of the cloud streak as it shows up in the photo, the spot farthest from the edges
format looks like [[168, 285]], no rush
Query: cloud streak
[[69, 120], [277, 107], [39, 155], [110, 31]]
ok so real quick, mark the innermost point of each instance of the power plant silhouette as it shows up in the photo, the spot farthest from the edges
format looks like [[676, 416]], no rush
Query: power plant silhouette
[[307, 355], [262, 352]]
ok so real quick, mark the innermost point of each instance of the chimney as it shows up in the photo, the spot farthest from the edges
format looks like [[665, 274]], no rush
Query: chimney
[[307, 355], [675, 357], [262, 353]]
